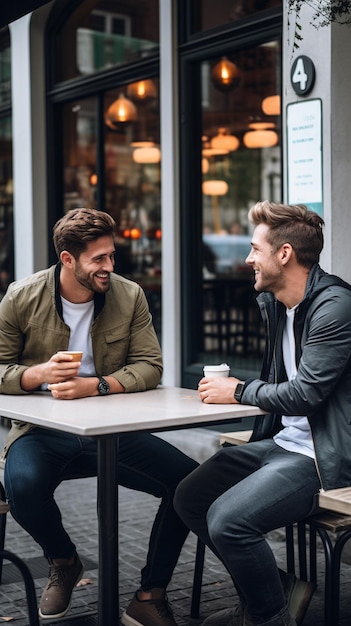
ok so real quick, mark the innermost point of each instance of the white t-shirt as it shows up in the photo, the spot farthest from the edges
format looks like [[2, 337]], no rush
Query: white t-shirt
[[296, 435], [79, 317]]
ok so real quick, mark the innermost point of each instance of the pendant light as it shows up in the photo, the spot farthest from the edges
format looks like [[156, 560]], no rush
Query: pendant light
[[121, 111], [260, 139], [271, 105], [215, 188], [225, 141], [225, 75], [147, 155], [142, 90]]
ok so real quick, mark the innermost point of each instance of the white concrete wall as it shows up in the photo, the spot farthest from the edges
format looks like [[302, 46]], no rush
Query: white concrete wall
[[29, 142], [22, 147], [329, 48], [171, 348]]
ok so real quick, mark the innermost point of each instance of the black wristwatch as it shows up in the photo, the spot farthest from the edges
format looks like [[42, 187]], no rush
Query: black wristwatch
[[239, 391], [103, 386]]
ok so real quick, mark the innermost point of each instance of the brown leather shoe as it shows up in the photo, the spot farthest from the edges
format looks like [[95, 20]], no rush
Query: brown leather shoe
[[63, 576]]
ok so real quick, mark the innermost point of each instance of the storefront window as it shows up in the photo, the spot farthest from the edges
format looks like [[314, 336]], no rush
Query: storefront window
[[207, 14], [240, 166], [100, 35]]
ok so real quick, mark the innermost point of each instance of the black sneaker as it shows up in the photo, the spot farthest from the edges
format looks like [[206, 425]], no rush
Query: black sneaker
[[63, 576], [298, 594], [154, 612]]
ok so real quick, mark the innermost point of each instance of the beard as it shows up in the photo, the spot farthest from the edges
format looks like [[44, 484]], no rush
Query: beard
[[91, 281]]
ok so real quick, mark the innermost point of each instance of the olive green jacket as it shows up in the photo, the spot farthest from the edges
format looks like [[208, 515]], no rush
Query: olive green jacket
[[32, 330]]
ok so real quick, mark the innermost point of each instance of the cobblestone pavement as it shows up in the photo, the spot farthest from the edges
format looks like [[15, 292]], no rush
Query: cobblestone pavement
[[77, 500]]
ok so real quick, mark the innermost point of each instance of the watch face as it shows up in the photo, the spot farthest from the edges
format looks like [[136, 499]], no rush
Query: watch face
[[238, 391], [103, 387]]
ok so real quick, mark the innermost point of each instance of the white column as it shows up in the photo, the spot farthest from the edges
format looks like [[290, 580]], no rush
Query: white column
[[29, 149], [22, 147], [171, 347]]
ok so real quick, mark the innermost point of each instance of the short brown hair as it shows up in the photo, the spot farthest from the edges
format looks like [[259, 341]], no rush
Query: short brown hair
[[293, 224], [78, 227]]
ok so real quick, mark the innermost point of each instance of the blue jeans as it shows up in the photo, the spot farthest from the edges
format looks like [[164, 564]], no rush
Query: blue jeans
[[40, 460], [232, 500]]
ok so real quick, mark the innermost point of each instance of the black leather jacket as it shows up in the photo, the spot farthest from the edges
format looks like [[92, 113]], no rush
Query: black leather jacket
[[322, 387]]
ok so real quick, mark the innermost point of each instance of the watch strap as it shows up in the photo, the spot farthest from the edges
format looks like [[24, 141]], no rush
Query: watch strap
[[103, 386]]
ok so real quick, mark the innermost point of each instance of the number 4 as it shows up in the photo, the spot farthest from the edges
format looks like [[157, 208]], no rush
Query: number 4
[[299, 75]]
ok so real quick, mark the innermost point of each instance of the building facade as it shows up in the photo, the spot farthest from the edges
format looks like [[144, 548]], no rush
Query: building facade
[[174, 117]]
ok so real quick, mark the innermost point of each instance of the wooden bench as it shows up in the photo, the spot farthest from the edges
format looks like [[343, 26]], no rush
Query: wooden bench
[[335, 521]]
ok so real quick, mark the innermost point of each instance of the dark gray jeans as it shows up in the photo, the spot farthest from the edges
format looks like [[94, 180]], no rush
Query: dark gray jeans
[[232, 500], [38, 462]]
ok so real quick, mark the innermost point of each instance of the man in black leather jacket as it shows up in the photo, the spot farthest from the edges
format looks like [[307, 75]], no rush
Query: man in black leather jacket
[[303, 444]]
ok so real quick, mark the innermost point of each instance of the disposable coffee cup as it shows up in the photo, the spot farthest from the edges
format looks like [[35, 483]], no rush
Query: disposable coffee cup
[[216, 370], [77, 355]]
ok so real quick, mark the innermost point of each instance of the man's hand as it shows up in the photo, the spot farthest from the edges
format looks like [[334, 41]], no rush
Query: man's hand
[[218, 390], [58, 369], [73, 388]]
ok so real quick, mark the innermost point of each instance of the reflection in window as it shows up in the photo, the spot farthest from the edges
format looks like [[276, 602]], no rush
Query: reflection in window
[[79, 154], [5, 66], [240, 166], [100, 35], [6, 205], [133, 186], [208, 14]]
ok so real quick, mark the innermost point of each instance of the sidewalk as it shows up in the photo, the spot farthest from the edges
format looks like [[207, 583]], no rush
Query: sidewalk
[[77, 500]]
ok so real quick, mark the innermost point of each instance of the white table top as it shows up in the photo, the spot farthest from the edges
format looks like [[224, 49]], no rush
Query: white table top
[[161, 408]]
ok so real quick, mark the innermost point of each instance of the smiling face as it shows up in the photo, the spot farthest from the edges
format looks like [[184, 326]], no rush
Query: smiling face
[[92, 269], [266, 263]]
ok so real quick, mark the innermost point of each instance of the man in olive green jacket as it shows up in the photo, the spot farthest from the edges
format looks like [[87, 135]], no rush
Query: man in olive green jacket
[[82, 305]]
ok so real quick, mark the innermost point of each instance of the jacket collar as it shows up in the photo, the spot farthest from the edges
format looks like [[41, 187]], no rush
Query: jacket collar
[[99, 298]]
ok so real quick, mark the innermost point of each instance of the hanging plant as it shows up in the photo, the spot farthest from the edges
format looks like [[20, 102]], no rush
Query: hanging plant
[[325, 12]]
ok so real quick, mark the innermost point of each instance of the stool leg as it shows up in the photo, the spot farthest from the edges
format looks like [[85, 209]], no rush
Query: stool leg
[[2, 540], [301, 541], [313, 555], [2, 529], [290, 552], [29, 585], [197, 583], [328, 584], [335, 574]]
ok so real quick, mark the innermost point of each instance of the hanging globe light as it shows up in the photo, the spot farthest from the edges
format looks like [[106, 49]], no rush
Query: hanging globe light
[[121, 111], [225, 75]]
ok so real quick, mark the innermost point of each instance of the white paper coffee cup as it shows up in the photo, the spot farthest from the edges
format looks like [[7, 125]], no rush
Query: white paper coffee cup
[[216, 370]]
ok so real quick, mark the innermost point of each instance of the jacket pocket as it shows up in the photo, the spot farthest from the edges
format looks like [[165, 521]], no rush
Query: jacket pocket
[[112, 349]]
